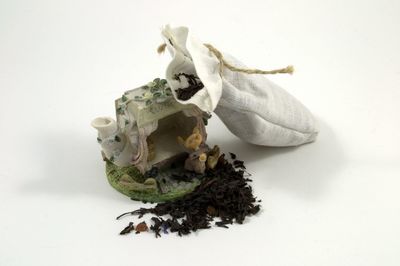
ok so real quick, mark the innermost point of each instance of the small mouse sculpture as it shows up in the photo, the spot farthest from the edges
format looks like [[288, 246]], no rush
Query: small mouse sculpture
[[197, 150], [200, 157]]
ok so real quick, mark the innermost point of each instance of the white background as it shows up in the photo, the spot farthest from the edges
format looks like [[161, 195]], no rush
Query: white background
[[333, 202]]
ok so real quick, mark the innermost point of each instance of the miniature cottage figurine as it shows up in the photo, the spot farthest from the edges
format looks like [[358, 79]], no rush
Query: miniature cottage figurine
[[154, 136]]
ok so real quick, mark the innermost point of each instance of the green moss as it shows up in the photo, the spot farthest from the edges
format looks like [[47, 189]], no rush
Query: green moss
[[114, 174]]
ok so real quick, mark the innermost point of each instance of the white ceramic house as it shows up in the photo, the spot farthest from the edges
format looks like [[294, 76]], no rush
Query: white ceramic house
[[149, 121]]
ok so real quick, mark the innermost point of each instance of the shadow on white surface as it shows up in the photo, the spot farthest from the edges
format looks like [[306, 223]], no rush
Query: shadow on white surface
[[304, 171], [71, 166]]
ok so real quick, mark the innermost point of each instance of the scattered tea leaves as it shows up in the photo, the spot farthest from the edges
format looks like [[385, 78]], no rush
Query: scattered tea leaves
[[224, 195]]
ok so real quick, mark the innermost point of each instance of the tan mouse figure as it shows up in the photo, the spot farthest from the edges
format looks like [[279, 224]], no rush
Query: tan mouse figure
[[193, 142], [197, 158]]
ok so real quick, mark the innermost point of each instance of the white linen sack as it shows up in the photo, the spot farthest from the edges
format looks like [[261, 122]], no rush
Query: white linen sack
[[252, 107]]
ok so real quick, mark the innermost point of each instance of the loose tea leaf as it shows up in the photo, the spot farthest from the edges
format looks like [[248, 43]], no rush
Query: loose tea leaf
[[142, 227], [157, 226], [224, 194], [127, 229], [239, 164]]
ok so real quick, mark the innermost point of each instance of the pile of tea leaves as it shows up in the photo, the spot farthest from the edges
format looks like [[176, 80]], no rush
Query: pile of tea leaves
[[224, 196]]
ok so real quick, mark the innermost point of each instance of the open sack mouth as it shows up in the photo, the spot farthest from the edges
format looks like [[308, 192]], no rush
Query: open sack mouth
[[194, 84]]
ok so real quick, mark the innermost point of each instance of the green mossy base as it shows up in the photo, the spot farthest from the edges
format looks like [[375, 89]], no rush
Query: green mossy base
[[114, 174]]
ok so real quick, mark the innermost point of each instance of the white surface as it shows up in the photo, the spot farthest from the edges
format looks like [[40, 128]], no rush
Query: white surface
[[333, 202]]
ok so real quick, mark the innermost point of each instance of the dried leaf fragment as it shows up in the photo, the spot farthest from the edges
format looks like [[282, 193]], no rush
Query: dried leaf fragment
[[127, 229], [142, 227]]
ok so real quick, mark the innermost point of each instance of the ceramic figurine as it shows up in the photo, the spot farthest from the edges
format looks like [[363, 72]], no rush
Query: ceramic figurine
[[153, 139]]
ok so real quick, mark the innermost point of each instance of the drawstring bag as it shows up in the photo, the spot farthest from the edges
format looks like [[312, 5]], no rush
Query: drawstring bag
[[252, 107]]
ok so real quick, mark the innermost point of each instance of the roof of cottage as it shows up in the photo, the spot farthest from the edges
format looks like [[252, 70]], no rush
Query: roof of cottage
[[148, 103]]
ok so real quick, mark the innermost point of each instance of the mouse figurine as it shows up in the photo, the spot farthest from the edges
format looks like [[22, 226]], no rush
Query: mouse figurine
[[197, 150]]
